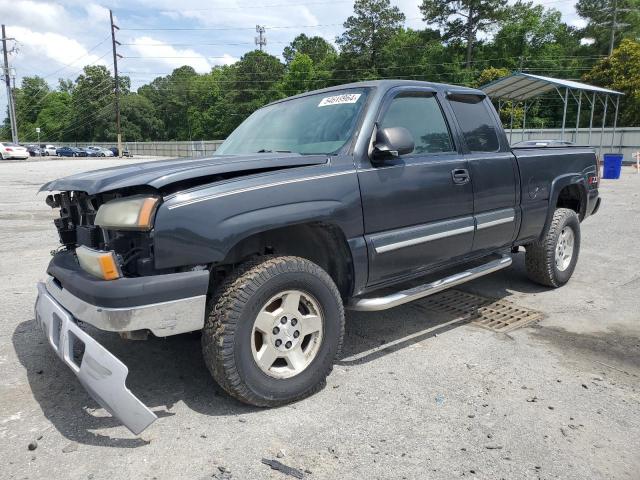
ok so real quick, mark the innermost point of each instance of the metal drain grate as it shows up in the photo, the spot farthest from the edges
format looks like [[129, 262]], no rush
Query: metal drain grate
[[497, 315]]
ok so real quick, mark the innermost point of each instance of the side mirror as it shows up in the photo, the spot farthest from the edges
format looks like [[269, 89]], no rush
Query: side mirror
[[393, 142]]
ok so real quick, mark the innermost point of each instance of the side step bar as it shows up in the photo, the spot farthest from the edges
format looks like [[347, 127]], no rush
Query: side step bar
[[421, 291]]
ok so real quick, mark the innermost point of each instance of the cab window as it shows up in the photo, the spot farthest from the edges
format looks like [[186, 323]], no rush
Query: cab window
[[420, 113]]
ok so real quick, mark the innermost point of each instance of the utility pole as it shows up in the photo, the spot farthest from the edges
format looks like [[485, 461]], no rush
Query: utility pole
[[114, 42], [261, 39], [613, 26], [614, 11], [7, 79]]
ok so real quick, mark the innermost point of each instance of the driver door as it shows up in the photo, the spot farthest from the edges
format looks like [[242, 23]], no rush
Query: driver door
[[418, 207]]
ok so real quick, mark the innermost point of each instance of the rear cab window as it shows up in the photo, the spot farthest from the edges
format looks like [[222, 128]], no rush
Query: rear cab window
[[476, 122]]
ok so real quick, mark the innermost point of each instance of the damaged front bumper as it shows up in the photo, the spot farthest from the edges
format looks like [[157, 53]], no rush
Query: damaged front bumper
[[163, 304], [99, 372]]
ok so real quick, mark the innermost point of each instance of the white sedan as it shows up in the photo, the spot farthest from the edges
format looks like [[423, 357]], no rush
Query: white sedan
[[100, 152], [11, 150]]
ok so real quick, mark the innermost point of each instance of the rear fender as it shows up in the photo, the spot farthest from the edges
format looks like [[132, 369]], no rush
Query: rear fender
[[557, 186]]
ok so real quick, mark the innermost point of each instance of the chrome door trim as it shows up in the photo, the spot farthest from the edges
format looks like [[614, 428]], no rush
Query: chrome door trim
[[497, 217], [407, 237]]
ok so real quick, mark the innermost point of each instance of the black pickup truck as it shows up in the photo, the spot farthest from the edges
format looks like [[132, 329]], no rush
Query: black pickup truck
[[312, 205]]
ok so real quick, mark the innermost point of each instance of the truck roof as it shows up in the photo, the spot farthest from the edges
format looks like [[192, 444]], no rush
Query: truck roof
[[385, 85]]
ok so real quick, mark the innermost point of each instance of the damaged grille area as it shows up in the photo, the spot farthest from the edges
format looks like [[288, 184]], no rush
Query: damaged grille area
[[134, 250], [77, 214]]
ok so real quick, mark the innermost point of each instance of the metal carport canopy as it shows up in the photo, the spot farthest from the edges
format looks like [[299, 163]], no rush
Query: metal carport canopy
[[523, 86]]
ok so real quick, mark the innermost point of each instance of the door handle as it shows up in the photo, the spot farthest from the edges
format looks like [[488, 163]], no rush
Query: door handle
[[460, 176]]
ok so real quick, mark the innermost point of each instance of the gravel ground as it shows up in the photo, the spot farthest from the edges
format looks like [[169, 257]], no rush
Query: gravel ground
[[415, 395]]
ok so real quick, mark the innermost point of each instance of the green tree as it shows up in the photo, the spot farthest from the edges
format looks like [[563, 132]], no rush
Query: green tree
[[139, 122], [599, 15], [531, 36], [300, 76], [462, 20], [621, 72], [92, 108], [253, 83], [317, 48], [367, 32], [54, 117], [29, 97]]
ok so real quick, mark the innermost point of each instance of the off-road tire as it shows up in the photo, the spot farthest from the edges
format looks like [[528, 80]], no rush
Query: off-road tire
[[227, 334], [540, 255]]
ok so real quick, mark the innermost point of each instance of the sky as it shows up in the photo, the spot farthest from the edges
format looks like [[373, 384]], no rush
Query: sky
[[56, 40]]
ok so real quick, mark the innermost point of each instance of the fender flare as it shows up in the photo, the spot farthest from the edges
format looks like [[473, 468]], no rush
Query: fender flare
[[557, 185]]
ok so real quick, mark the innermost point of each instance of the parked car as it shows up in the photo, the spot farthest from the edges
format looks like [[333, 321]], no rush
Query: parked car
[[100, 151], [263, 246], [34, 150], [10, 150], [125, 152], [91, 152], [48, 149], [70, 152]]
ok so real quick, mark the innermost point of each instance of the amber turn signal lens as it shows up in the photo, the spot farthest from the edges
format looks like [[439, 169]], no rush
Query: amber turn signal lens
[[146, 210], [98, 263]]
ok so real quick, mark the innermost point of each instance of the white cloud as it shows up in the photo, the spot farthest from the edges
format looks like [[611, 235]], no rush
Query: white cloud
[[46, 16], [163, 53], [97, 14], [225, 60], [49, 46]]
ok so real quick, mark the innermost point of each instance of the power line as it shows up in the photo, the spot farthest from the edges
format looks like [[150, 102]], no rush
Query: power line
[[250, 7], [206, 29], [34, 98]]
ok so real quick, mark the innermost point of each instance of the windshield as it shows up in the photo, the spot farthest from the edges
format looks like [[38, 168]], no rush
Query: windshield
[[316, 124]]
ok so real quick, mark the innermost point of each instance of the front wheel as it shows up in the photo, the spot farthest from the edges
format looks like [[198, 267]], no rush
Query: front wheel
[[552, 260], [273, 331]]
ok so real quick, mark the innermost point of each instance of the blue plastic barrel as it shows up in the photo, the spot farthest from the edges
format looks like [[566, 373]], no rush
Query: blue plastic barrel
[[612, 165]]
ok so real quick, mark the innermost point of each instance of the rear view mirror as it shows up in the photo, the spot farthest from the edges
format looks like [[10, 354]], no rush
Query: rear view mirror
[[392, 142]]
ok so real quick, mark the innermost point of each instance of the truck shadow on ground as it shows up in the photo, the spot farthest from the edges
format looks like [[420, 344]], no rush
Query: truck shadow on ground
[[163, 372]]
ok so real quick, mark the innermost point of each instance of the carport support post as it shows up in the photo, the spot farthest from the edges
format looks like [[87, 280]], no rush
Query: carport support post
[[524, 120], [593, 106], [511, 123], [564, 111], [615, 122], [575, 139], [604, 120]]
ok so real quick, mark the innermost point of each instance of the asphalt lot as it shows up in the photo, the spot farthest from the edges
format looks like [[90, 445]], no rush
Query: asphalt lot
[[415, 395]]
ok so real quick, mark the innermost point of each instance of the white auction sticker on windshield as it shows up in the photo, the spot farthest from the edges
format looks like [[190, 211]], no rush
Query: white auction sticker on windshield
[[340, 99]]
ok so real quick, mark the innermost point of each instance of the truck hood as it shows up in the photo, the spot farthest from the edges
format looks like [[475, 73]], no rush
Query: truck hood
[[159, 174]]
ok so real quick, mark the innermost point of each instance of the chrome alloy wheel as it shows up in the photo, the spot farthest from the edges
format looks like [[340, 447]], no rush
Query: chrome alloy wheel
[[287, 334], [564, 248]]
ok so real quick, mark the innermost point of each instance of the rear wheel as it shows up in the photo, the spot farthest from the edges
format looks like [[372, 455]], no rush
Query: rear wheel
[[273, 331], [552, 260]]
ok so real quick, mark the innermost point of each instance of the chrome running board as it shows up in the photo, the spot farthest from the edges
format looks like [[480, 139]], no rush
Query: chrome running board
[[421, 291]]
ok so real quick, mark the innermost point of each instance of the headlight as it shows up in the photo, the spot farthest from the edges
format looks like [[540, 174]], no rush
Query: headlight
[[129, 213]]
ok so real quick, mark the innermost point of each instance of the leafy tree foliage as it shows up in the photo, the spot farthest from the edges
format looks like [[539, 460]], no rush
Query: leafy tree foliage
[[621, 72], [367, 32], [599, 16], [316, 48], [462, 20]]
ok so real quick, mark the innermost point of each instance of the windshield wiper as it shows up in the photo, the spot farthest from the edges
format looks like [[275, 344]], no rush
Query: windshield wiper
[[264, 150]]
